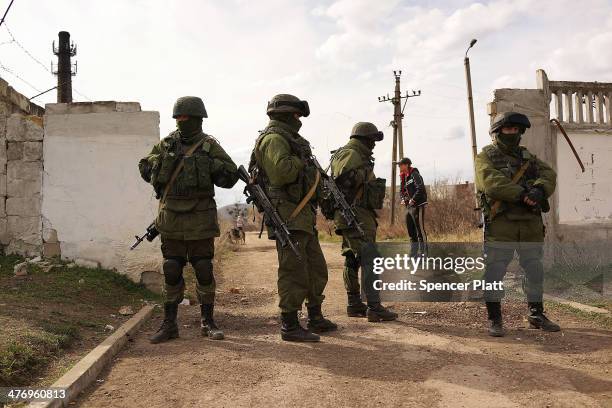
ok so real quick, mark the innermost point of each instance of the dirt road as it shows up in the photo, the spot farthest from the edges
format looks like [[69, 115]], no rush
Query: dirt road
[[441, 358]]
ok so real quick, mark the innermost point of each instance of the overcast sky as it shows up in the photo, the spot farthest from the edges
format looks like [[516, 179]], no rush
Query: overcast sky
[[339, 55]]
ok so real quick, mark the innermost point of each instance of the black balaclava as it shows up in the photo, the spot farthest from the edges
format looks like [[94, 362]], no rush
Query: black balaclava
[[189, 129], [509, 141], [288, 118]]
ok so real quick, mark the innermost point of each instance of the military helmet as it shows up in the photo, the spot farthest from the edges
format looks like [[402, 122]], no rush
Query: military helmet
[[367, 130], [509, 119], [288, 103], [190, 106]]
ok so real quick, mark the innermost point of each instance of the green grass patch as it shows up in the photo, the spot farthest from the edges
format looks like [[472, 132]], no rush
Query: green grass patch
[[23, 357], [600, 319], [44, 313]]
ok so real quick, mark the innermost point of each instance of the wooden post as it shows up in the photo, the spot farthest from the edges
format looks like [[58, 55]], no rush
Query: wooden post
[[393, 173]]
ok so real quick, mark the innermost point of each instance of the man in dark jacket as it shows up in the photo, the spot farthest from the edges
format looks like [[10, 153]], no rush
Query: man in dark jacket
[[414, 197]]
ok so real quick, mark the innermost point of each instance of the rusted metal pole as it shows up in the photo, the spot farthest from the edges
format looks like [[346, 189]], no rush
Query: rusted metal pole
[[569, 142]]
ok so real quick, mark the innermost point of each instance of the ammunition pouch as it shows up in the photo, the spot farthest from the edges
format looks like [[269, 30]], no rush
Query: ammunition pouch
[[374, 193], [327, 204], [162, 170]]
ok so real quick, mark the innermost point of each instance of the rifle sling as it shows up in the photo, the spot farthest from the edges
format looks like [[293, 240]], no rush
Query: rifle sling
[[306, 198], [515, 179]]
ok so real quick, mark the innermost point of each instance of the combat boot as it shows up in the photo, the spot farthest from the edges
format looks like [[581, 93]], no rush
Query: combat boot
[[356, 308], [209, 328], [377, 313], [169, 328], [291, 330], [317, 323], [537, 319], [496, 329]]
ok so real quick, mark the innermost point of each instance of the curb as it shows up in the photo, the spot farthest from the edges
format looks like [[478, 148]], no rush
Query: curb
[[576, 305], [87, 369]]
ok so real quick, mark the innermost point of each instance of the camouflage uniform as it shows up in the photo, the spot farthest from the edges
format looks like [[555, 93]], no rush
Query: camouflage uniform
[[187, 219], [513, 225], [281, 156], [352, 168]]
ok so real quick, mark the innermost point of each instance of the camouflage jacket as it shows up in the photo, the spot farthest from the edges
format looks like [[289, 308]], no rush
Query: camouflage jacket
[[190, 211], [281, 154], [495, 167], [352, 167]]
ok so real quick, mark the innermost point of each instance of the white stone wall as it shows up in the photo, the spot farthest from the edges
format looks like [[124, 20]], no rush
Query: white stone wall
[[93, 198], [585, 197]]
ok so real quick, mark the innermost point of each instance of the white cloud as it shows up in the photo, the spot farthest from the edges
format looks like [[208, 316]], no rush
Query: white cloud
[[337, 54]]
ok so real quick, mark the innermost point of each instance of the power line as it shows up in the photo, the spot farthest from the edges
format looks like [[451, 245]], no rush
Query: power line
[[28, 53], [10, 71], [6, 12]]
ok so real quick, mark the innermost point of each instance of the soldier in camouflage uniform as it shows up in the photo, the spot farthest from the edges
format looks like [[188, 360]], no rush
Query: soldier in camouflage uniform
[[512, 211], [352, 168], [280, 157], [187, 219]]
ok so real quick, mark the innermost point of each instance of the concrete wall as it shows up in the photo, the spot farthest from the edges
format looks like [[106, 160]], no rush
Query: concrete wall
[[585, 197], [94, 200], [580, 222]]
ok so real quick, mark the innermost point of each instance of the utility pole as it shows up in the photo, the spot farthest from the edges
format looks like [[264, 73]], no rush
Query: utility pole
[[64, 51], [398, 137], [468, 80]]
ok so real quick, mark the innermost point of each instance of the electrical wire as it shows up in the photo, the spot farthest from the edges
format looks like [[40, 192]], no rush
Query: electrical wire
[[28, 53], [6, 12], [10, 71]]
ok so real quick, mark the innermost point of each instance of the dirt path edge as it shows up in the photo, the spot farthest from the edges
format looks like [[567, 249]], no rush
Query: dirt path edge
[[87, 369]]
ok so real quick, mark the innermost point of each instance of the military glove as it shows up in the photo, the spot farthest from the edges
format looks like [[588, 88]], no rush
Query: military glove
[[533, 194], [536, 194], [145, 170]]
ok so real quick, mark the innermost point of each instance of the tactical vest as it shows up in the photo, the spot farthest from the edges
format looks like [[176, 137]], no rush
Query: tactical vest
[[292, 191], [369, 195], [509, 165], [194, 181]]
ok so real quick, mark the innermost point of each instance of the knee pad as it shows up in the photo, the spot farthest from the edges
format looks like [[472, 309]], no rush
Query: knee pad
[[203, 270], [173, 271], [351, 261]]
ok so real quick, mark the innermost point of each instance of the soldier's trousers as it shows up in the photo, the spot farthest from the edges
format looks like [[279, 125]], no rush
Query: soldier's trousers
[[353, 245], [415, 224], [504, 237], [200, 254], [302, 279]]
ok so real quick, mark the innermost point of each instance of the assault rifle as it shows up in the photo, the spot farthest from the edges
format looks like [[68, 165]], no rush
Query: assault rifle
[[150, 234], [256, 194], [343, 206]]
